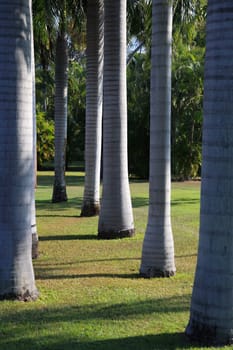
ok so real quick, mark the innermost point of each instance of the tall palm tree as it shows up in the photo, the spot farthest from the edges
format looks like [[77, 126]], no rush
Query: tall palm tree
[[16, 156], [61, 90], [66, 16], [211, 317], [94, 94], [56, 19], [116, 218], [61, 99], [158, 246], [35, 239]]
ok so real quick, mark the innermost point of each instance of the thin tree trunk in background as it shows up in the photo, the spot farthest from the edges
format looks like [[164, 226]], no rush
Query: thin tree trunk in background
[[116, 217], [35, 240], [16, 151], [158, 246], [211, 316], [94, 98], [61, 80]]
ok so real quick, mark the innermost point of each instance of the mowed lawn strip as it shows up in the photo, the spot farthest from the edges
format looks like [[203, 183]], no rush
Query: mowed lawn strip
[[91, 296]]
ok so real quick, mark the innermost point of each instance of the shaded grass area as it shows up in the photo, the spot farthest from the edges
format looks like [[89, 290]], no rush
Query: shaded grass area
[[90, 321], [91, 296]]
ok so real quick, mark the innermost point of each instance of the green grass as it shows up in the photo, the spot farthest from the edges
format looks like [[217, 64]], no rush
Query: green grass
[[91, 296]]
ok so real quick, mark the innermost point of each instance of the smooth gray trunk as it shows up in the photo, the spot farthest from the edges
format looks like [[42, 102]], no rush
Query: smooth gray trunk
[[116, 217], [158, 246], [35, 239], [61, 81], [16, 151], [211, 316], [94, 98]]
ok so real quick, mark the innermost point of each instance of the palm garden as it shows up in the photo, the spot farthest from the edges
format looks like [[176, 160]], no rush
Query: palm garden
[[100, 293]]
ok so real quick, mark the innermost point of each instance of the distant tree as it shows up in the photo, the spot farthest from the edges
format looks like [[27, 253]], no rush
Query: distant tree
[[35, 239], [57, 21], [94, 110], [61, 100]]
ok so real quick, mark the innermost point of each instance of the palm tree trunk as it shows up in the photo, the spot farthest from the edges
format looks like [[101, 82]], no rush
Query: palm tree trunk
[[158, 246], [94, 97], [61, 80], [35, 240], [116, 217], [16, 155], [211, 317]]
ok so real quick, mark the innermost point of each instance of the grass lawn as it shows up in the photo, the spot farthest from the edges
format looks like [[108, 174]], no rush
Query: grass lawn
[[90, 294]]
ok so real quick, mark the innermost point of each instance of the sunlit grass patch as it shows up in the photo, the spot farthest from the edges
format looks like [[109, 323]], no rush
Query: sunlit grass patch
[[91, 295]]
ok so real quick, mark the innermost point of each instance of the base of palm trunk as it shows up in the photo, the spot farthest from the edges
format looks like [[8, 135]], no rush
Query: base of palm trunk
[[35, 246], [59, 194], [25, 296], [116, 234], [207, 335], [90, 209], [153, 272]]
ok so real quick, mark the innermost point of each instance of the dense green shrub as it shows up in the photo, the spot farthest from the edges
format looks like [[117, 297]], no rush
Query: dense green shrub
[[45, 139]]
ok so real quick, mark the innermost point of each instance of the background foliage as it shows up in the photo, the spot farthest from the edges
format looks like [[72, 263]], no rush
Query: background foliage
[[187, 89]]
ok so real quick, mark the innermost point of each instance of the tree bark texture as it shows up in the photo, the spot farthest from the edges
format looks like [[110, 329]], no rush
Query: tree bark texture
[[211, 316], [16, 151], [61, 80], [35, 239], [94, 110], [116, 217], [158, 246]]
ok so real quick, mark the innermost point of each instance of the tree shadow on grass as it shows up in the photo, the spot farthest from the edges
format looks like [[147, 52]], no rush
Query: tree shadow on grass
[[85, 261], [99, 311], [48, 205], [140, 202], [182, 201], [68, 237], [86, 322], [71, 180], [144, 201], [166, 341], [46, 270], [43, 275]]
